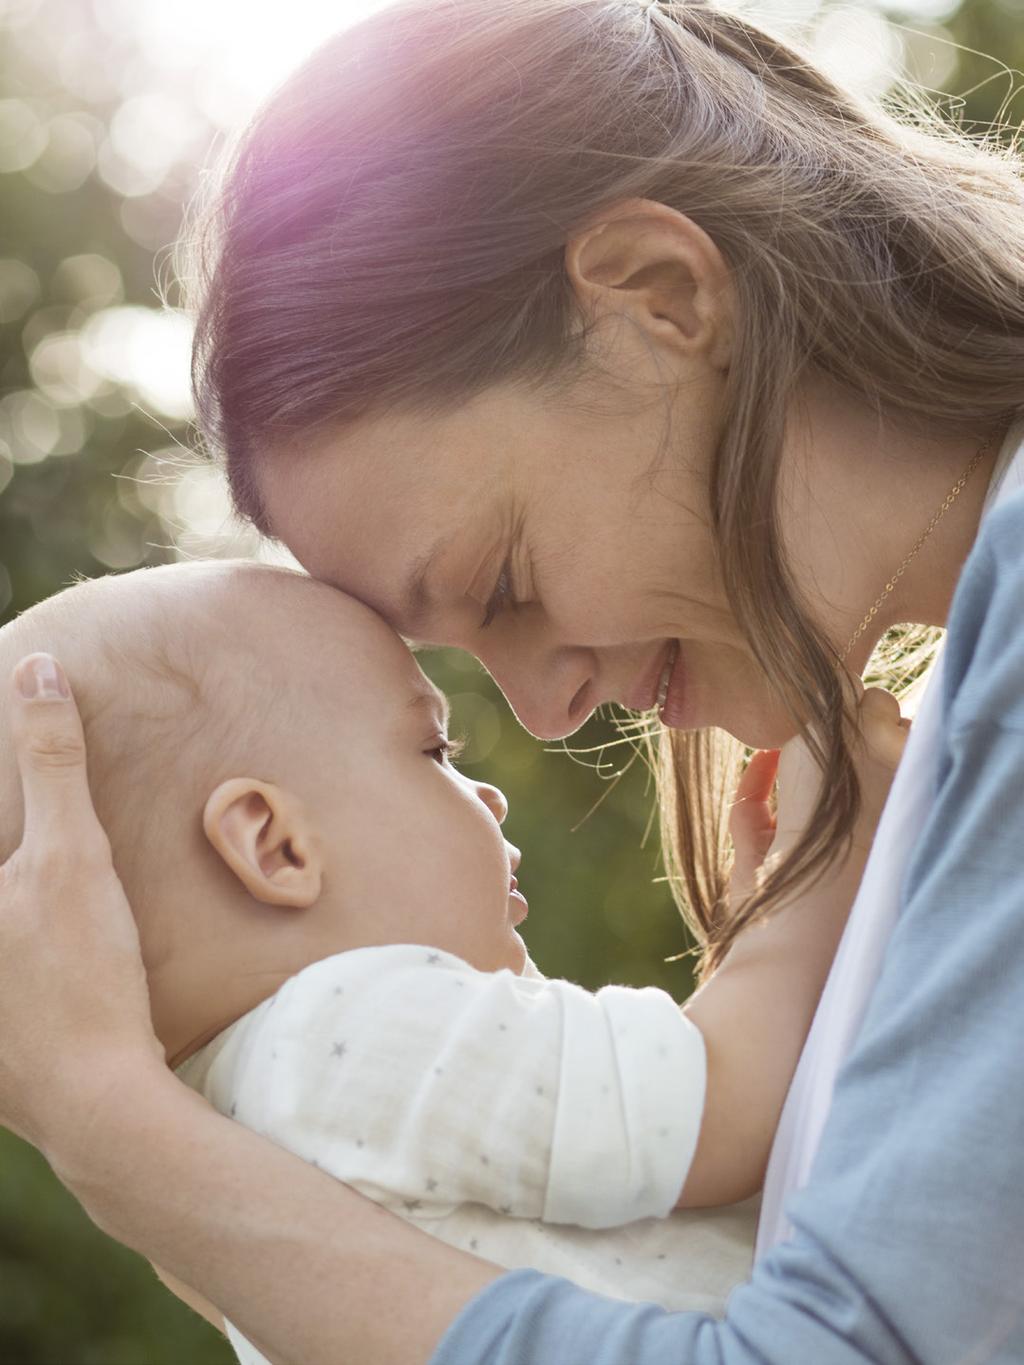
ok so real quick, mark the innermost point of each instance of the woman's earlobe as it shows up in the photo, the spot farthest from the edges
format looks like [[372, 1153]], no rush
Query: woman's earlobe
[[265, 837]]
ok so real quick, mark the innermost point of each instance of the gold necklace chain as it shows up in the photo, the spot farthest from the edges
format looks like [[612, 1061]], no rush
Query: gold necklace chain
[[951, 498]]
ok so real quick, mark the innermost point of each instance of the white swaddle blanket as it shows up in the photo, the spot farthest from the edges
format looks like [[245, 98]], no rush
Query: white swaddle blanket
[[528, 1121], [859, 957]]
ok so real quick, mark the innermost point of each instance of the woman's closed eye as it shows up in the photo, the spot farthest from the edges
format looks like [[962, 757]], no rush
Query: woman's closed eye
[[500, 597]]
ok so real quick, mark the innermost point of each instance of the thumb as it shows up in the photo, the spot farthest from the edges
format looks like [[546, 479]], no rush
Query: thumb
[[882, 727], [50, 747], [758, 780], [751, 822]]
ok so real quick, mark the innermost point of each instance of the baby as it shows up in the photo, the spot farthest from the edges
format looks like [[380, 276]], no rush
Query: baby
[[328, 916]]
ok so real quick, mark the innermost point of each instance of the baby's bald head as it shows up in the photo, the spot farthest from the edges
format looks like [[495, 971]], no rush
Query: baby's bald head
[[271, 767], [180, 673]]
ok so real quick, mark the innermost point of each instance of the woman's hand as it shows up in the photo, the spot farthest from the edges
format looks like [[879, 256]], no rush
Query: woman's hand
[[74, 1003], [752, 821], [755, 1009], [876, 747], [757, 829]]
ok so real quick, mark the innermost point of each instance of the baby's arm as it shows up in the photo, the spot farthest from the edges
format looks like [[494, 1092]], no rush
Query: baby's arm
[[427, 1084], [755, 1011], [189, 1296]]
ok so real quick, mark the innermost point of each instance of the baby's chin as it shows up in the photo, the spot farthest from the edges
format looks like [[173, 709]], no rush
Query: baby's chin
[[512, 957], [530, 968], [521, 964]]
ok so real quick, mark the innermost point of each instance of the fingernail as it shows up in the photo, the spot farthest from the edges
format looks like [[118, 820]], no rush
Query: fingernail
[[41, 678]]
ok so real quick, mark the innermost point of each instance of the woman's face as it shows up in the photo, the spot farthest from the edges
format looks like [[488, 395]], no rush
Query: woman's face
[[563, 540], [552, 541]]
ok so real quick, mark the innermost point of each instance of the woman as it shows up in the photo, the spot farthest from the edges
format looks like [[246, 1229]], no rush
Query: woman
[[615, 344]]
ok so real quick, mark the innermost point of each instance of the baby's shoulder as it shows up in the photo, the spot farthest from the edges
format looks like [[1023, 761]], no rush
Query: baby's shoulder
[[368, 976], [391, 992]]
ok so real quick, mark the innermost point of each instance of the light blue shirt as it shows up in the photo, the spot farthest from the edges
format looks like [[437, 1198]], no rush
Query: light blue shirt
[[908, 1243]]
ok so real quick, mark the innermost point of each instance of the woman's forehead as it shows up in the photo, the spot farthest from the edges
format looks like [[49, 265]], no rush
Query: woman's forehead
[[378, 522]]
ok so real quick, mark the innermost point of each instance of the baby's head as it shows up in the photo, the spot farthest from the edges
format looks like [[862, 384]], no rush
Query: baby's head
[[271, 766]]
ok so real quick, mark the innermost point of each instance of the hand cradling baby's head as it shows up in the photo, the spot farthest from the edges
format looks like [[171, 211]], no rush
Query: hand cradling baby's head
[[271, 766]]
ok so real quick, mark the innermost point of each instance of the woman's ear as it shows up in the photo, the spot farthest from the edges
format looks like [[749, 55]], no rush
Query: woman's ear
[[266, 838], [653, 262]]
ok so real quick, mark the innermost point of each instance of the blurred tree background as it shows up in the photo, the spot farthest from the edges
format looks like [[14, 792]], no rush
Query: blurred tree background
[[108, 110]]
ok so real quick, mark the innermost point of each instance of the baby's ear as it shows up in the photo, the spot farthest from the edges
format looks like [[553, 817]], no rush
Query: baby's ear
[[267, 839]]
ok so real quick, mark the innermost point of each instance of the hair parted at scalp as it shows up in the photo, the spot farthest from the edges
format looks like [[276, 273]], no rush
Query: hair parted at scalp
[[389, 233]]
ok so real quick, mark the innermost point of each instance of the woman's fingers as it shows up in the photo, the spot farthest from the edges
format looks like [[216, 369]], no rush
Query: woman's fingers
[[882, 727], [751, 814], [74, 999], [758, 778], [751, 820], [50, 748]]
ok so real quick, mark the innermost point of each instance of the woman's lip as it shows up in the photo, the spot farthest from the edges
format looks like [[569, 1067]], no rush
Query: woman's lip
[[673, 713], [645, 693]]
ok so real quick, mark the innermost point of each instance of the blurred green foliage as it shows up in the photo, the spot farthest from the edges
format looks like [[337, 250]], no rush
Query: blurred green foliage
[[94, 175]]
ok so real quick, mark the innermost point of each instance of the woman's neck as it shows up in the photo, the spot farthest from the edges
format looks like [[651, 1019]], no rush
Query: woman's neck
[[861, 493], [925, 591]]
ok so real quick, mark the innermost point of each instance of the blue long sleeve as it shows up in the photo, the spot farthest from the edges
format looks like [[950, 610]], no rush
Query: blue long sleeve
[[908, 1244]]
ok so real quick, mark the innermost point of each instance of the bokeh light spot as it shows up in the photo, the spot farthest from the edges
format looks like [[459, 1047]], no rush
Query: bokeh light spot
[[29, 426], [19, 289], [859, 48], [69, 155], [154, 131], [201, 501], [931, 55], [477, 719], [118, 544], [60, 372], [22, 135], [90, 280], [146, 349]]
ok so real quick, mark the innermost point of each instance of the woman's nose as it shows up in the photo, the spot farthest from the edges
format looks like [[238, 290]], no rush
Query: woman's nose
[[493, 799], [550, 697]]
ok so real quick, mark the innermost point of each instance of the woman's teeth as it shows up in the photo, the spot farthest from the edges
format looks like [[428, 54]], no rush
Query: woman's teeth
[[666, 675]]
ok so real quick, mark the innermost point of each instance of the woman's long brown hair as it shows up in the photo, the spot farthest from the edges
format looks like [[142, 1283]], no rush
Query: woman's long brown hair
[[389, 232]]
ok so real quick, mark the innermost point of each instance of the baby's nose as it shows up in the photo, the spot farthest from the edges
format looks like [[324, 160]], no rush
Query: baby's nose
[[494, 800]]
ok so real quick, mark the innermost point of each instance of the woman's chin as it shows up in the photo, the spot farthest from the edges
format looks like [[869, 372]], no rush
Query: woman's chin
[[763, 734], [723, 688], [757, 723]]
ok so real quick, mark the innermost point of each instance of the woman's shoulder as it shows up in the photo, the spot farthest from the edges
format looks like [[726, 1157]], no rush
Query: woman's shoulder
[[984, 670], [1003, 530]]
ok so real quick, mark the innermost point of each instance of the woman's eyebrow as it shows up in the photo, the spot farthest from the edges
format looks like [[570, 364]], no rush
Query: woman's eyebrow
[[416, 601]]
